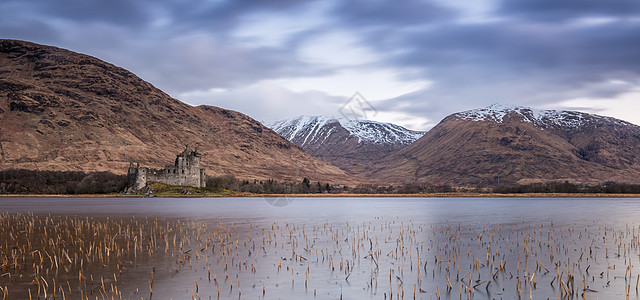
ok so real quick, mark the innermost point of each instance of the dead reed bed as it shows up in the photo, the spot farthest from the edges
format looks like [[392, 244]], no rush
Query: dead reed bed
[[59, 257]]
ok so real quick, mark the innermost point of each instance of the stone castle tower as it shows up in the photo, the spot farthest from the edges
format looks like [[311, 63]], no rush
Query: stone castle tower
[[185, 171]]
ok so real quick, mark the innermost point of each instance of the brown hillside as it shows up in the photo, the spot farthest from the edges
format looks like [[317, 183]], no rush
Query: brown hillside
[[474, 148], [61, 110]]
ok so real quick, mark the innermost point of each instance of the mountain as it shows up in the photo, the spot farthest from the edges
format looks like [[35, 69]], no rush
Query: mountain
[[348, 144], [61, 110], [509, 144]]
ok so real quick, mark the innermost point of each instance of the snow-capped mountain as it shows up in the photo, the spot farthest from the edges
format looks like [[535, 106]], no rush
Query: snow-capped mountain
[[347, 143], [312, 129], [558, 119], [503, 144]]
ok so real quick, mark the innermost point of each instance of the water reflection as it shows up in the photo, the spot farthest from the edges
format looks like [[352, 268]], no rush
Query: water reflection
[[378, 248]]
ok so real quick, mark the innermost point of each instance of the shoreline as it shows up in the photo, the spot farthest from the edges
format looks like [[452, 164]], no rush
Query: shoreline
[[343, 195]]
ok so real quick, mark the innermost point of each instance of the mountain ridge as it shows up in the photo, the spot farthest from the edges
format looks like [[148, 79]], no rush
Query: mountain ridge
[[398, 134], [349, 144], [518, 145], [548, 118]]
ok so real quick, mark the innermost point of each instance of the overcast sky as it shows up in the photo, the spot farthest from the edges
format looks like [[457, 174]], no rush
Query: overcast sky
[[415, 62]]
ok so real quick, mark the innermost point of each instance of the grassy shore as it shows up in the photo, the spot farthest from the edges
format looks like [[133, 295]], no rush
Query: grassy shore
[[226, 193], [463, 195]]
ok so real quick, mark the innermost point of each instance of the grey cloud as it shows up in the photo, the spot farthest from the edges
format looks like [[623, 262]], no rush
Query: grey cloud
[[182, 65], [268, 102], [383, 13], [517, 59], [526, 63], [531, 55], [523, 48], [81, 11], [151, 18], [212, 65], [29, 29], [219, 17], [562, 10], [177, 45]]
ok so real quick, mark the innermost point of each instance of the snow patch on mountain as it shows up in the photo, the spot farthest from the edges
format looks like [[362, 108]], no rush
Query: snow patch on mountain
[[306, 129], [542, 118]]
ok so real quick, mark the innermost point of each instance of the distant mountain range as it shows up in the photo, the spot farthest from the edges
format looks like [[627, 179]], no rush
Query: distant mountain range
[[61, 110], [349, 144], [510, 144]]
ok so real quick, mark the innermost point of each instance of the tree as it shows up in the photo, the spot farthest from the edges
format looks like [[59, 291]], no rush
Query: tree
[[306, 182]]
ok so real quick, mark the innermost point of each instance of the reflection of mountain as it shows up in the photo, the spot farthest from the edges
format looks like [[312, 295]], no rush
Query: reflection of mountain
[[61, 110], [502, 144], [349, 144]]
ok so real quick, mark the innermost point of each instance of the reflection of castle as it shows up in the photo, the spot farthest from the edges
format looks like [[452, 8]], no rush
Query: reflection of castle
[[185, 172]]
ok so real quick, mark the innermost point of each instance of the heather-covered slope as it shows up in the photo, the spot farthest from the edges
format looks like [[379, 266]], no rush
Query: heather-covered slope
[[506, 145], [61, 110]]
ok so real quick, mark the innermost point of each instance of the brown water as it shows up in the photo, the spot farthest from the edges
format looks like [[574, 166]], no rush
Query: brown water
[[321, 248]]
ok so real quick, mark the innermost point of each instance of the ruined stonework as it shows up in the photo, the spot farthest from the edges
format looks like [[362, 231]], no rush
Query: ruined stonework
[[184, 172]]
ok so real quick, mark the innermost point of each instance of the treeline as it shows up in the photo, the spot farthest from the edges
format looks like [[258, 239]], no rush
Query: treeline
[[567, 187], [18, 181], [231, 183], [401, 189]]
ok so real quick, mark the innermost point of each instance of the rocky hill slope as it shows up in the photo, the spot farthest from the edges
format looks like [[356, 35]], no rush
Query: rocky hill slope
[[501, 145], [348, 144], [61, 110]]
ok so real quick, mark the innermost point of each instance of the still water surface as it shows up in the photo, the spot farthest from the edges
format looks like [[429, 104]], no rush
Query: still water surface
[[364, 248]]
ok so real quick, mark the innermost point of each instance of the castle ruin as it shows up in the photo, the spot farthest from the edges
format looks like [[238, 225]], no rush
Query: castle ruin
[[185, 171]]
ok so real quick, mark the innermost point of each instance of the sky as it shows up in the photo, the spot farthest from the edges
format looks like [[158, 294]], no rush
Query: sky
[[407, 62]]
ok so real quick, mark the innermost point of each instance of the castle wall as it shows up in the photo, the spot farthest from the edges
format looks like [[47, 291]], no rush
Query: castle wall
[[185, 172], [137, 177], [175, 176], [203, 178]]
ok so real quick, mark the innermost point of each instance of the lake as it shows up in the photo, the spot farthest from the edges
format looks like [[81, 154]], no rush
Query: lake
[[319, 248]]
